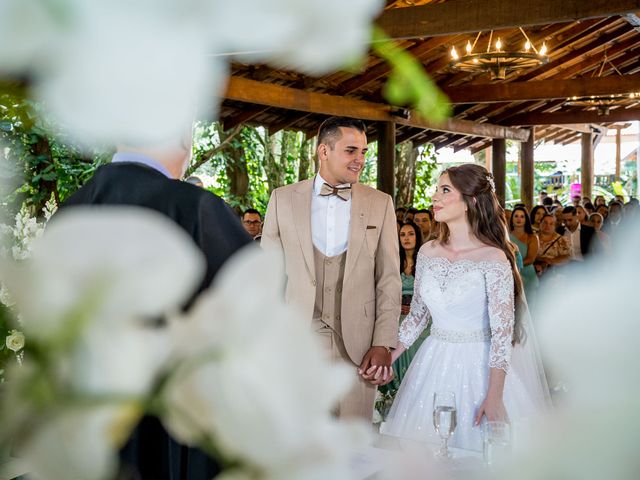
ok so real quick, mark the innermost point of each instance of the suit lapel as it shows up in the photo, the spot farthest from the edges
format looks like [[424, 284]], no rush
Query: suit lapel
[[360, 203], [302, 219]]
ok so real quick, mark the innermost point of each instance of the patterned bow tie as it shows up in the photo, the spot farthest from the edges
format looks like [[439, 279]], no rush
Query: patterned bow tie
[[341, 192]]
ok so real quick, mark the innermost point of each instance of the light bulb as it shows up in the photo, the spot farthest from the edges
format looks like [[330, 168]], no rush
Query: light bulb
[[543, 49], [527, 46], [498, 44], [454, 54], [468, 47]]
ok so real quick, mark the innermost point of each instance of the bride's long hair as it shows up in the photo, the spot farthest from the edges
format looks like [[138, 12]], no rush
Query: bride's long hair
[[487, 220]]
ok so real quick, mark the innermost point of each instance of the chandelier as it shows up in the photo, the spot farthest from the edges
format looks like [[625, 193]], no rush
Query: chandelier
[[603, 103], [496, 61]]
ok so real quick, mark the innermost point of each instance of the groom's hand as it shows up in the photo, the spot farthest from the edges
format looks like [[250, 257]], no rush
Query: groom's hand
[[376, 366]]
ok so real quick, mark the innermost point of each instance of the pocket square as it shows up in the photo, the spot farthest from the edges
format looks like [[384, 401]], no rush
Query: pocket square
[[370, 227]]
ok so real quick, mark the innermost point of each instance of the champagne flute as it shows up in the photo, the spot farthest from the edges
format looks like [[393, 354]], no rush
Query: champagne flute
[[444, 420]]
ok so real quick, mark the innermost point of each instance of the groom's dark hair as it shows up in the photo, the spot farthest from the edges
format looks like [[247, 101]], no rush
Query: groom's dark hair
[[329, 131]]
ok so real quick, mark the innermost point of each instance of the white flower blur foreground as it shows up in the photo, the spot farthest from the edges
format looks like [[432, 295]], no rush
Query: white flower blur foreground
[[258, 385], [93, 278], [589, 329], [137, 70]]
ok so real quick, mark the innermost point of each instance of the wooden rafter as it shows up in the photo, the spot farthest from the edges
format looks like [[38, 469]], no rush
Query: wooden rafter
[[268, 94], [543, 89], [464, 16], [559, 118]]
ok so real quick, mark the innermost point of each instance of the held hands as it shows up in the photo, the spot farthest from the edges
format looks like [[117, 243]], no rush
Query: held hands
[[376, 366], [493, 409]]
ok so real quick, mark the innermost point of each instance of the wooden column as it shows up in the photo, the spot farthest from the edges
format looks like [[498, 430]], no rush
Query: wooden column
[[386, 157], [488, 159], [586, 169], [526, 171], [499, 166], [618, 155]]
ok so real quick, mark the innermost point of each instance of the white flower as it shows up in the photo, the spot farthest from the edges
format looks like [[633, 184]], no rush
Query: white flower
[[144, 82], [15, 341], [265, 393], [79, 443], [113, 264]]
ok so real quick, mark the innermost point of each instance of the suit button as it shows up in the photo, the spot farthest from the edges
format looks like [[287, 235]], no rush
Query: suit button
[[326, 317], [339, 290], [328, 262], [328, 289], [338, 317], [313, 282]]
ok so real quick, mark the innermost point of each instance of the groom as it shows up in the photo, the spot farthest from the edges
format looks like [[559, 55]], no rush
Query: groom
[[340, 246]]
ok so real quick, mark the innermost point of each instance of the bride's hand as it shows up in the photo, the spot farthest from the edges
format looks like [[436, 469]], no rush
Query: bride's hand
[[493, 409]]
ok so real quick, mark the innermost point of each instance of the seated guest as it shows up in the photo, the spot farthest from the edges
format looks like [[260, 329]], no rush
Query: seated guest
[[423, 218], [580, 236], [604, 211], [410, 241], [599, 200], [597, 221], [522, 235], [614, 221], [537, 213], [408, 217], [590, 208], [583, 216], [554, 248], [252, 222]]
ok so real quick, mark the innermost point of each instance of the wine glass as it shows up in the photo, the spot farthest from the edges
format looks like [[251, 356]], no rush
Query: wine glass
[[496, 443], [444, 420]]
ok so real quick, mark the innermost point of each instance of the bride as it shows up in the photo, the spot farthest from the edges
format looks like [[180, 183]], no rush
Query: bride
[[481, 346]]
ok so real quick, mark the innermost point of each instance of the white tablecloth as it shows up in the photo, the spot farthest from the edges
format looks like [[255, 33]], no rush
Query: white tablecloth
[[395, 454]]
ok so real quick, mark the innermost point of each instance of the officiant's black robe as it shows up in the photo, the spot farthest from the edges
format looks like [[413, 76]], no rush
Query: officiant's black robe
[[151, 454]]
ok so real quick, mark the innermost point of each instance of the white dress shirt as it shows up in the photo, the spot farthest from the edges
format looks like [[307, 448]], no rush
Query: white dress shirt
[[574, 238], [330, 220]]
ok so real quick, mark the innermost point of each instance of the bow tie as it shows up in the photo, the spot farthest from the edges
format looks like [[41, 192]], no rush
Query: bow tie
[[343, 193]]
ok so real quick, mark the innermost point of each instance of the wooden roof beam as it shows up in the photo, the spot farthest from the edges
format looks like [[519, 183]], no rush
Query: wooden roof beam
[[465, 16], [269, 94], [244, 116], [543, 89], [559, 118]]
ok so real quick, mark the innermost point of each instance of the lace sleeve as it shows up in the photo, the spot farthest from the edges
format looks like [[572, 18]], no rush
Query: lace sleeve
[[418, 317], [500, 299]]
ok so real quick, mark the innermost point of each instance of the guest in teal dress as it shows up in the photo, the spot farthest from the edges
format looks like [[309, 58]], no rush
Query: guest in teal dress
[[410, 241], [527, 242]]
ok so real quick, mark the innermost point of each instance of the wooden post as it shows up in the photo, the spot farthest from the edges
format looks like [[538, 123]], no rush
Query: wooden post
[[488, 159], [527, 167], [499, 167], [618, 156], [586, 169], [386, 157]]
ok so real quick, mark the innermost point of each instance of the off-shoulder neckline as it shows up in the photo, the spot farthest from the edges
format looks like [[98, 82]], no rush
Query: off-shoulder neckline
[[466, 260]]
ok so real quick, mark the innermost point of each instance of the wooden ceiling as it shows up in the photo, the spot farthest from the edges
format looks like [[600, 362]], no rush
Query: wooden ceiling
[[578, 35]]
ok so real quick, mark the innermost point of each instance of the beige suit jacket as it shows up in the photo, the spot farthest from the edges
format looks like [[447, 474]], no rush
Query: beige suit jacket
[[372, 287]]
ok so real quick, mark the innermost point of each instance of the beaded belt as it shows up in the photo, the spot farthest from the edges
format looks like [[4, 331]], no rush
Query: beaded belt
[[454, 336]]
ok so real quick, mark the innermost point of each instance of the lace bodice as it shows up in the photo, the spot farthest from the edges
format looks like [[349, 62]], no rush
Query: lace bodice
[[464, 297]]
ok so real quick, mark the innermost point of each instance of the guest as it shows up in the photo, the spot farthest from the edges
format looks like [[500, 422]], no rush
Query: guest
[[576, 199], [603, 210], [599, 200], [597, 221], [536, 215], [522, 235], [408, 217], [423, 218], [542, 195], [507, 215], [410, 242], [590, 208], [400, 213], [554, 249], [580, 236], [614, 221], [583, 216], [252, 223], [559, 218], [548, 204]]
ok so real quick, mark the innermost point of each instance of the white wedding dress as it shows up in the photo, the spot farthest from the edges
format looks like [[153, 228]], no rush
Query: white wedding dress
[[471, 305]]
